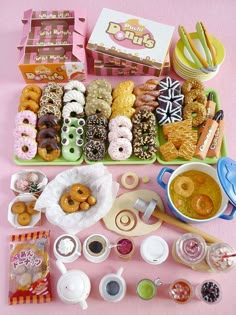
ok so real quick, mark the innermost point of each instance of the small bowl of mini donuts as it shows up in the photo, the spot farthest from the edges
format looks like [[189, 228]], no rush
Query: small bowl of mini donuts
[[77, 197], [21, 212]]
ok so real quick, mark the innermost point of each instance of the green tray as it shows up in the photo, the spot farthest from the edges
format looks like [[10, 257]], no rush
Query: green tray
[[39, 161], [207, 160]]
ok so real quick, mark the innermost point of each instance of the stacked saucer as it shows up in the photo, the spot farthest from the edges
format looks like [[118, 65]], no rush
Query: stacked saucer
[[184, 65]]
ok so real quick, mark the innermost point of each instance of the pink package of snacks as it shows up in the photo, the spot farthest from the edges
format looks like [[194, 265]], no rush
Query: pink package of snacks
[[29, 276]]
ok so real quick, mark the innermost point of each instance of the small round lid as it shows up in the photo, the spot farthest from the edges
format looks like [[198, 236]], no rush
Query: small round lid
[[226, 169], [154, 250], [71, 286]]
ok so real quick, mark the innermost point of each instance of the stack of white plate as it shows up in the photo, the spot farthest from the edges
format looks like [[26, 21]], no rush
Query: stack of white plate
[[184, 65]]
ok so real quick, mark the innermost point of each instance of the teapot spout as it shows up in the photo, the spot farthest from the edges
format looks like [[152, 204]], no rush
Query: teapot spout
[[83, 304], [61, 266]]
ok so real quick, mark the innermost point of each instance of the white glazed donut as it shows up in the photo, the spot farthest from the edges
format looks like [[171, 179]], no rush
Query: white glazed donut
[[74, 96], [69, 108], [120, 121], [75, 85], [120, 132], [120, 149]]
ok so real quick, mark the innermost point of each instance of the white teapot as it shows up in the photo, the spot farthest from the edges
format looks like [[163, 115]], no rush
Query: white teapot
[[73, 286]]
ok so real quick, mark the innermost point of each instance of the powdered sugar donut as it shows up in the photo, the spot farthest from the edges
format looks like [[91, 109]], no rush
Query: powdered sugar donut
[[25, 148], [25, 130], [120, 121], [74, 96], [71, 109], [26, 117], [120, 149], [120, 132], [75, 85]]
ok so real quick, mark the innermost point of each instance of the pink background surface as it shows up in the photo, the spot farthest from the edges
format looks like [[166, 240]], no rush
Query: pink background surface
[[219, 17]]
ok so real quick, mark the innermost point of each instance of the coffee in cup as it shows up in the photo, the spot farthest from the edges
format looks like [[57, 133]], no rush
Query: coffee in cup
[[96, 248]]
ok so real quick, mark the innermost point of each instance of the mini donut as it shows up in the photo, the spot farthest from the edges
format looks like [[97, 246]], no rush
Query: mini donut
[[191, 84], [49, 109], [94, 150], [195, 111], [73, 109], [84, 206], [24, 218], [99, 93], [99, 83], [68, 204], [25, 148], [91, 200], [96, 120], [120, 149], [74, 96], [75, 85], [50, 98], [18, 207], [24, 130], [29, 105], [26, 117], [53, 87], [120, 121], [49, 121], [32, 88], [144, 148], [47, 133], [96, 133], [30, 207], [168, 113], [184, 186], [28, 96], [142, 117], [74, 122], [98, 106], [120, 132], [79, 192], [71, 152], [195, 96], [49, 149], [202, 204]]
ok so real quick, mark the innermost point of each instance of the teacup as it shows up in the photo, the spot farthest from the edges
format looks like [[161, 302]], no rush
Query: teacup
[[96, 248], [67, 248]]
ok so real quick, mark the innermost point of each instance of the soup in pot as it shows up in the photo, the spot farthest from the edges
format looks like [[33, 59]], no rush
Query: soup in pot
[[196, 194]]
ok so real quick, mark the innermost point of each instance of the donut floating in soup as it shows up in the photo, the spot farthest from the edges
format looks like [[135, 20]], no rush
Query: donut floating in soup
[[196, 194]]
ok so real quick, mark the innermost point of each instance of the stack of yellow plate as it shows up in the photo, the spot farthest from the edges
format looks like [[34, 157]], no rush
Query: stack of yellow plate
[[184, 65]]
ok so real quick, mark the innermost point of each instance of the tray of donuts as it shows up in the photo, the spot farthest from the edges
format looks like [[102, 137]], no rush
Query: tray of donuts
[[190, 128], [58, 125]]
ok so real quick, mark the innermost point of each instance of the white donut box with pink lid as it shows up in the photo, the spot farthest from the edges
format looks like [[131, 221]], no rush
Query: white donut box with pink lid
[[125, 44]]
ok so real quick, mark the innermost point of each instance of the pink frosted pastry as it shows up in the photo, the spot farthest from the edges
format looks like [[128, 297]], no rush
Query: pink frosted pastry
[[120, 121], [22, 184], [120, 149], [25, 130], [25, 148], [26, 117], [120, 132]]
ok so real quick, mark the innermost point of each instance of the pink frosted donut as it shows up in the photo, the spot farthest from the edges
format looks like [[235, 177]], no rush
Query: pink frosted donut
[[120, 149], [25, 130], [26, 117], [25, 148], [120, 121], [120, 132]]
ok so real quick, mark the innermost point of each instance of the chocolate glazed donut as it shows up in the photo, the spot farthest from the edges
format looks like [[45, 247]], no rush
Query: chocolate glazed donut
[[49, 149], [49, 121], [47, 133]]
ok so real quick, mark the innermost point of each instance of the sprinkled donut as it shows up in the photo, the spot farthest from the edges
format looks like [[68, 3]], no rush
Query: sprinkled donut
[[120, 121], [72, 110], [49, 109], [120, 149], [94, 150], [50, 98], [29, 105], [26, 117], [96, 133], [75, 85], [195, 111], [195, 96], [169, 113], [100, 83], [192, 84], [96, 120], [120, 132], [25, 130], [25, 148], [144, 129], [144, 116], [74, 96], [144, 148], [53, 87], [98, 107], [49, 149], [47, 133], [49, 121]]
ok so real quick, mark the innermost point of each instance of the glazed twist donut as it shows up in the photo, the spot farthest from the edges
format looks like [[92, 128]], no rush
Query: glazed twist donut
[[149, 85], [74, 96]]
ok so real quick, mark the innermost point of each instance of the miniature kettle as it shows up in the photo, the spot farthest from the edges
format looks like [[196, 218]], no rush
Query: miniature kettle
[[73, 286]]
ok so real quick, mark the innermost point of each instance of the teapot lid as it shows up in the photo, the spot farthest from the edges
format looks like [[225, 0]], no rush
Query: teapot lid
[[226, 170], [71, 285]]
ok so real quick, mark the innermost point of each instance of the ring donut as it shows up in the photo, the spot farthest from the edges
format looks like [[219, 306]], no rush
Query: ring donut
[[24, 218], [49, 149], [79, 192], [96, 120], [49, 109], [25, 130], [99, 93], [94, 150], [196, 112], [51, 98], [120, 121], [53, 87], [26, 117], [99, 83], [96, 133], [195, 96], [32, 88], [18, 207], [120, 149], [73, 109], [202, 204], [184, 186], [98, 106], [191, 84], [75, 85], [145, 147], [74, 96], [120, 132], [68, 204], [25, 148], [71, 152], [133, 176], [47, 133], [49, 121]]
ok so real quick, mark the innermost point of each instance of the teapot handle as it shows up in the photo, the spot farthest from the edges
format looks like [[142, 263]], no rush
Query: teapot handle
[[83, 304], [61, 266]]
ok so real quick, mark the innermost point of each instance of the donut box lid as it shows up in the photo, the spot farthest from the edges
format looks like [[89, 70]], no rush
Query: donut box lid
[[131, 38]]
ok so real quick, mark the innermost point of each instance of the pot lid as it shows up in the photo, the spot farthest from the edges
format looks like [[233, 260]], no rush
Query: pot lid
[[71, 286], [226, 169]]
